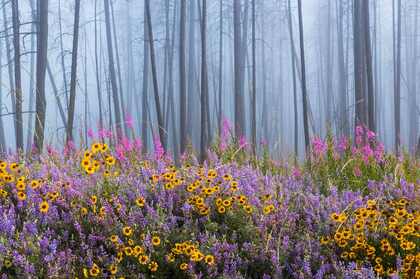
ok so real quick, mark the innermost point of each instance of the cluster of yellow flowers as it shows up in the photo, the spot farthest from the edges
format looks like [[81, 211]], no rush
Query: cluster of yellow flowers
[[12, 176], [98, 157], [377, 234], [188, 251]]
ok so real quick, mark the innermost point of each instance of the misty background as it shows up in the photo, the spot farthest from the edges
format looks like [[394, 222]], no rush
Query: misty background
[[209, 60]]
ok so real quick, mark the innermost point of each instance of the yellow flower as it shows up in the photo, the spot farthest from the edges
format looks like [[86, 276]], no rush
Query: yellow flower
[[43, 207], [35, 184], [94, 270], [20, 186], [127, 231], [183, 266], [114, 238], [104, 147], [128, 251], [155, 241], [21, 196], [83, 211], [143, 259], [209, 259], [93, 199], [96, 147], [113, 269], [110, 161], [221, 209], [7, 263], [153, 266], [140, 201]]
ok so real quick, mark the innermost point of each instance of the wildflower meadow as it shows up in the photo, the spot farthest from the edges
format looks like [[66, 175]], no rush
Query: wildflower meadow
[[108, 211]]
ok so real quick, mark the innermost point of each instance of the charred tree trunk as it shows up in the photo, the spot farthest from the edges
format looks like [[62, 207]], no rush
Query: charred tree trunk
[[18, 77], [304, 90], [182, 78], [397, 83], [41, 66], [70, 116], [161, 124], [113, 78], [254, 86], [369, 71], [98, 83], [237, 44], [204, 85], [295, 108]]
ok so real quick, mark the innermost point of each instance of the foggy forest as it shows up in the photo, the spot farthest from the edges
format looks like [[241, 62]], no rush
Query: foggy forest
[[209, 139]]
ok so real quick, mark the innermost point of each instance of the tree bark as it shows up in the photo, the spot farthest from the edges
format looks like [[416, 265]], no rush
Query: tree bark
[[41, 66], [182, 78], [113, 79], [161, 124], [204, 85], [18, 77], [73, 77], [304, 90]]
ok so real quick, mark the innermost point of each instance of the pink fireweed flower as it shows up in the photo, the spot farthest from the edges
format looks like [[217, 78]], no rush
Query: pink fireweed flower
[[342, 144], [367, 153], [379, 152], [225, 134], [242, 142], [319, 146], [119, 152], [90, 133], [359, 130], [296, 173], [371, 135], [159, 151], [129, 121], [127, 145]]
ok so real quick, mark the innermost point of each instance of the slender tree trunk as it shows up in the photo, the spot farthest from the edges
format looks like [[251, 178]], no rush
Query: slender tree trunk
[[32, 92], [146, 57], [56, 95], [220, 65], [41, 65], [70, 116], [113, 78], [254, 86], [18, 77], [2, 136], [304, 91], [239, 100], [63, 65], [342, 88], [397, 82], [182, 78], [413, 114], [369, 71], [98, 82], [192, 99], [161, 124], [117, 56], [204, 85], [295, 108]]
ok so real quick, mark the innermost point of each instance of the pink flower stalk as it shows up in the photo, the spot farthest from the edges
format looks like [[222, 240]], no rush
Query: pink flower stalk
[[371, 135], [129, 121], [102, 133], [159, 151], [138, 144], [319, 146], [225, 133], [119, 150], [242, 142], [367, 153], [342, 144], [359, 130], [90, 133], [126, 144]]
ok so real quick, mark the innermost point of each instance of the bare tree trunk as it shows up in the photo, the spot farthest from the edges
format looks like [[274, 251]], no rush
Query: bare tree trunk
[[161, 124], [254, 86], [304, 93], [63, 65], [2, 137], [220, 65], [41, 66], [192, 99], [70, 117], [342, 88], [115, 97], [32, 92], [397, 82], [182, 78], [117, 56], [239, 100], [413, 114], [295, 108], [18, 78], [359, 74], [204, 85], [98, 83], [145, 86], [369, 71]]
